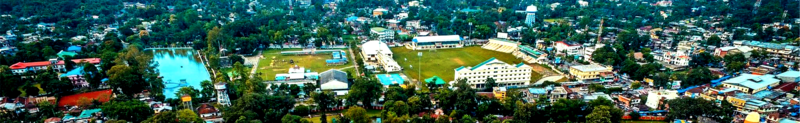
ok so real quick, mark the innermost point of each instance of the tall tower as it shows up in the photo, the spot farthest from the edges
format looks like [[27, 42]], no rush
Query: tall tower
[[222, 94], [530, 18]]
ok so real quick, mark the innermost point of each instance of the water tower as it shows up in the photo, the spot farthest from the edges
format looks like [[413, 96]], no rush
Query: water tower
[[222, 94]]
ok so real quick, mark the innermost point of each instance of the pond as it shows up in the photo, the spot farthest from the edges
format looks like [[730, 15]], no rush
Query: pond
[[179, 68]]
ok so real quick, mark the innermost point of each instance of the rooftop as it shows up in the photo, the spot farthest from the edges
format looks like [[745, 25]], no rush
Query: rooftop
[[84, 114], [423, 39], [74, 72], [378, 29], [21, 65], [373, 47], [753, 81], [589, 68], [95, 95]]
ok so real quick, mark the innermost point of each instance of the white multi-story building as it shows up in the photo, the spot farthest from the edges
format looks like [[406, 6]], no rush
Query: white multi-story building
[[530, 18], [381, 33], [503, 73], [679, 58], [378, 52], [570, 48]]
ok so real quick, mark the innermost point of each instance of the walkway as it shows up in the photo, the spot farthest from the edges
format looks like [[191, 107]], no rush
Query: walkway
[[355, 64], [167, 48], [255, 65], [204, 59], [549, 78]]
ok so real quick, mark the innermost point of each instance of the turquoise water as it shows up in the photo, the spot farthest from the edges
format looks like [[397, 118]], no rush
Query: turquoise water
[[179, 68]]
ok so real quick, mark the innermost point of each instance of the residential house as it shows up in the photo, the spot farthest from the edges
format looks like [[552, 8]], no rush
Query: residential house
[[76, 77], [657, 97], [209, 113]]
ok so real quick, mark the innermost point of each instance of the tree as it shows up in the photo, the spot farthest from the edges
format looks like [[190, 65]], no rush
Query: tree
[[714, 40], [467, 119], [686, 108], [162, 117], [636, 85], [92, 75], [698, 76], [702, 59], [635, 115], [324, 101], [294, 89], [187, 115], [600, 114], [418, 103], [208, 91], [734, 62], [288, 118], [490, 84], [357, 115], [364, 91], [133, 110], [301, 110], [259, 106]]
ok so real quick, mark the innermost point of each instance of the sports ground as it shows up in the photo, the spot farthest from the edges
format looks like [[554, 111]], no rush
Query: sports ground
[[443, 62], [274, 63]]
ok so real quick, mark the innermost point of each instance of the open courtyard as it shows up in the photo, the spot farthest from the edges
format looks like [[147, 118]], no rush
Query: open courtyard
[[274, 63], [443, 62]]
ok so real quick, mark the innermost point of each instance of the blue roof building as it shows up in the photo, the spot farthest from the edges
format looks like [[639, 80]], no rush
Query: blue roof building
[[85, 114], [750, 83], [74, 49]]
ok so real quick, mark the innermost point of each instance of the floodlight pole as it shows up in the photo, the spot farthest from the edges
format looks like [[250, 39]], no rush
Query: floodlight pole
[[419, 67]]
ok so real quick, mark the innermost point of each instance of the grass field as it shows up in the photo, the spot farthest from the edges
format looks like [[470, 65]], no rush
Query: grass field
[[273, 63], [443, 62], [370, 113]]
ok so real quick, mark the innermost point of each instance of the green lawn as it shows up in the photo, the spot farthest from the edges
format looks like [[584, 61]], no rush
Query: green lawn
[[370, 113], [443, 62], [272, 63]]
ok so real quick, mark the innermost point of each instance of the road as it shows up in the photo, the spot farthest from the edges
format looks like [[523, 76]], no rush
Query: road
[[255, 65], [353, 56]]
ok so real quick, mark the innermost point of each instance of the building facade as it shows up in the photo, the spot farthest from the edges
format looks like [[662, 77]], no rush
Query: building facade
[[570, 48], [503, 73], [588, 72], [381, 33], [58, 65], [436, 42], [530, 16], [379, 54], [750, 83]]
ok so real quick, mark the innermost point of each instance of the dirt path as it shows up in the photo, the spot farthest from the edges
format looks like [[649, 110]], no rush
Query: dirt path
[[458, 61]]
